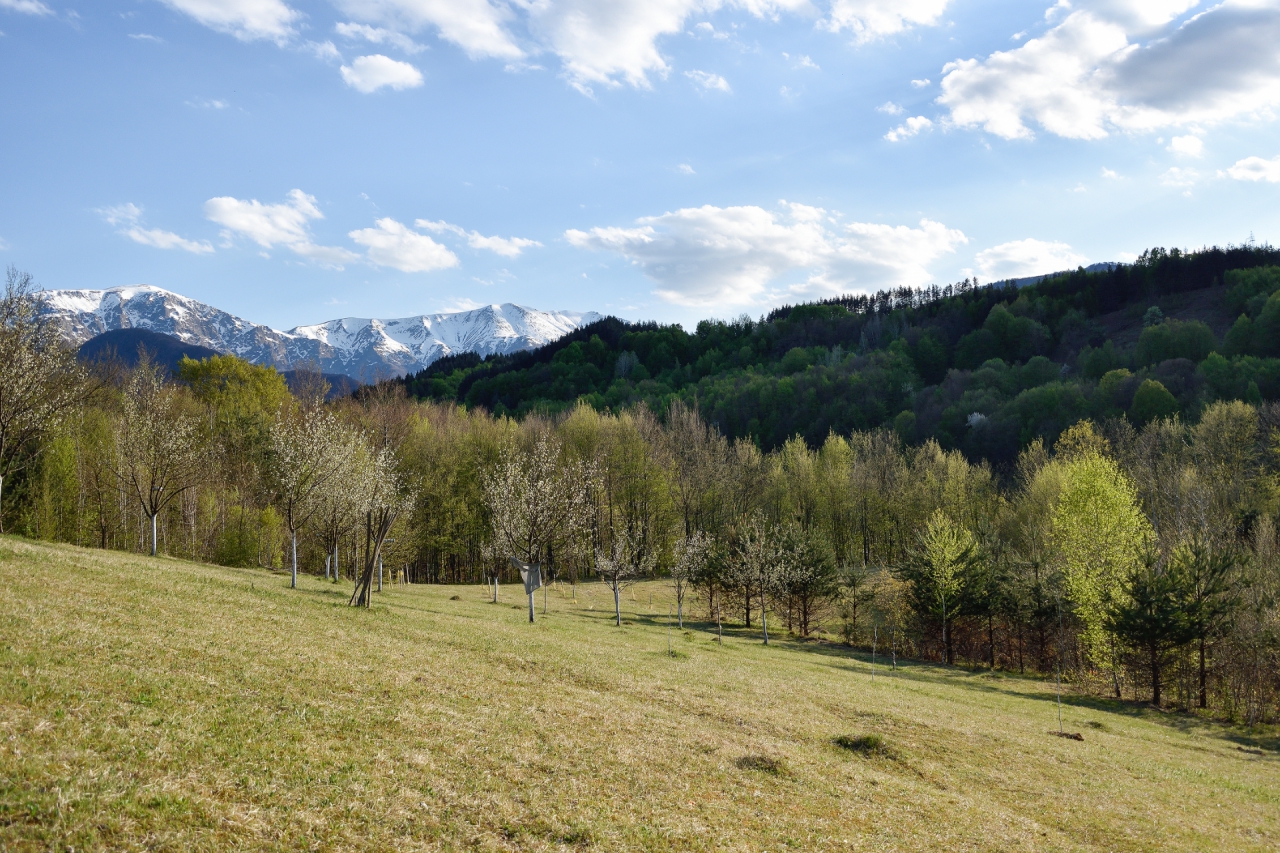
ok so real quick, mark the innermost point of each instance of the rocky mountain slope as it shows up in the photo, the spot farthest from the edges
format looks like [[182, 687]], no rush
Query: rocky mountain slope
[[365, 349]]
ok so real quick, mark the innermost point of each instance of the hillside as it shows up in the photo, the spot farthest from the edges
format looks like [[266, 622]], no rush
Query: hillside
[[983, 369], [166, 705]]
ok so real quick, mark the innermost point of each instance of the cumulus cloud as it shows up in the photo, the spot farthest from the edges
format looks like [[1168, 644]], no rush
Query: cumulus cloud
[[392, 244], [270, 225], [1187, 146], [26, 7], [508, 247], [714, 256], [130, 215], [909, 128], [247, 20], [1021, 258], [1256, 169], [1126, 65], [872, 19], [371, 73], [707, 80], [378, 35], [889, 108]]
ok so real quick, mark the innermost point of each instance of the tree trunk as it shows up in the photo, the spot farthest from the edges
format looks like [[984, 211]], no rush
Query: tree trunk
[[617, 606], [1155, 676], [153, 533], [764, 618], [991, 640], [1204, 695], [2, 503], [530, 608], [293, 548], [680, 609]]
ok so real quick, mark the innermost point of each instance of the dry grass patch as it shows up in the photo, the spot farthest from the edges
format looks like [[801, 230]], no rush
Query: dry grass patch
[[161, 705]]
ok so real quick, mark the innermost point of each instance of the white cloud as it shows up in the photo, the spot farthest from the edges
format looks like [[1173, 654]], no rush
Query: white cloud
[[806, 62], [391, 244], [1086, 76], [685, 169], [325, 51], [370, 73], [909, 128], [167, 240], [890, 108], [713, 256], [245, 19], [271, 225], [378, 35], [121, 213], [476, 26], [1178, 177], [1022, 258], [707, 80], [209, 104], [1256, 169], [146, 37], [508, 247], [129, 214], [872, 19], [1109, 174], [1186, 146], [27, 7], [920, 84]]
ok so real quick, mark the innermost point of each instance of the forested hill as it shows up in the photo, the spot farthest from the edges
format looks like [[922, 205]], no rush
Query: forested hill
[[982, 368]]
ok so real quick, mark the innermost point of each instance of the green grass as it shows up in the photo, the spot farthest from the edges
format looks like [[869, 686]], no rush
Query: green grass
[[160, 705]]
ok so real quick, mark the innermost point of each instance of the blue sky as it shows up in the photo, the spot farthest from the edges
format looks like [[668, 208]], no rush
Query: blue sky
[[291, 161]]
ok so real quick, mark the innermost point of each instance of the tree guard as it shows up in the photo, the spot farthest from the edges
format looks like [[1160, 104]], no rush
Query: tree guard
[[531, 574]]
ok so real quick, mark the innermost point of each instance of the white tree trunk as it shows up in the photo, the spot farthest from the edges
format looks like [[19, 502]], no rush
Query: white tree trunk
[[379, 572], [293, 577], [617, 607], [153, 533], [327, 559]]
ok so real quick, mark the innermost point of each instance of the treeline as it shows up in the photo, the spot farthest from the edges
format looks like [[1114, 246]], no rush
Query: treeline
[[1141, 561], [982, 369]]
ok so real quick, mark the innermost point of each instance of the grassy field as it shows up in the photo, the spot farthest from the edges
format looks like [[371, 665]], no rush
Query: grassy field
[[160, 705]]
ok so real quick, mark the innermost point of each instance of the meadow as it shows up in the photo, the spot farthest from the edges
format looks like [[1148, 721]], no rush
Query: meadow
[[158, 704]]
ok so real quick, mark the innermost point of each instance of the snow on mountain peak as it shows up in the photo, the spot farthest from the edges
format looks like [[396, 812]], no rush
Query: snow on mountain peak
[[365, 348]]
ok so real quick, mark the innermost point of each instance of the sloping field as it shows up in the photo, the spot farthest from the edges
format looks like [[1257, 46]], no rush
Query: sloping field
[[160, 705]]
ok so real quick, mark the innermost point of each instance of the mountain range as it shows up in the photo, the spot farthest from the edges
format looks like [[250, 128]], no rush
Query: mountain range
[[365, 349]]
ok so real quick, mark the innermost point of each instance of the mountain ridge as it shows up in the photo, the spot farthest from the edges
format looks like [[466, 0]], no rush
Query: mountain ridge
[[363, 348]]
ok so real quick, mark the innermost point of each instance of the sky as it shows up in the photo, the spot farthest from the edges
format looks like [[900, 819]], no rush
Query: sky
[[293, 161]]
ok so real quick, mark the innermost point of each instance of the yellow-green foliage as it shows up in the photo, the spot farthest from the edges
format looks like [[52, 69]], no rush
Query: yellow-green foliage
[[1098, 532], [152, 704]]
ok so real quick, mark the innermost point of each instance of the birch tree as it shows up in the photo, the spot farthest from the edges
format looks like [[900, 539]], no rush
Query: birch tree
[[40, 380], [943, 555], [161, 452]]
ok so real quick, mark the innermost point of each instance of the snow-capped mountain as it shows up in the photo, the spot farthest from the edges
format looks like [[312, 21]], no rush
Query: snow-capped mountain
[[366, 349]]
